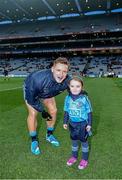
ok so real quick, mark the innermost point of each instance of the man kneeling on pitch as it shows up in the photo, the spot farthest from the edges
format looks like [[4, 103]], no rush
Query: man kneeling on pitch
[[45, 85]]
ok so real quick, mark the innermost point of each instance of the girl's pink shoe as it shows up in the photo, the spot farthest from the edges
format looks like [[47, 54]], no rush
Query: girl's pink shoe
[[71, 161], [83, 164]]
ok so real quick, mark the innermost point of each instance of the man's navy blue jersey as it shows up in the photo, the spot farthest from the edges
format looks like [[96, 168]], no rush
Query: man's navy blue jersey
[[41, 85]]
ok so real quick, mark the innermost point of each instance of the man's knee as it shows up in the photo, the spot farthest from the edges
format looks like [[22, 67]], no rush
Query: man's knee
[[31, 111], [32, 114], [53, 111]]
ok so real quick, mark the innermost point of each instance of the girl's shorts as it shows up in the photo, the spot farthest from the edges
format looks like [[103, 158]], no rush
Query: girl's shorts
[[78, 131]]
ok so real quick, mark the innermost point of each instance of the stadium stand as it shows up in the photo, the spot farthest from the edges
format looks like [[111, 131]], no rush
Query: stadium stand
[[64, 26], [93, 43], [95, 65]]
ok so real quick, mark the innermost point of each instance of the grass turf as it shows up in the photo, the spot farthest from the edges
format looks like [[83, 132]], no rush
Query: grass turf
[[105, 159]]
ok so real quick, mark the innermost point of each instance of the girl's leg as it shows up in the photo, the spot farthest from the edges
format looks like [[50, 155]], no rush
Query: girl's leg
[[73, 159], [85, 150], [75, 148]]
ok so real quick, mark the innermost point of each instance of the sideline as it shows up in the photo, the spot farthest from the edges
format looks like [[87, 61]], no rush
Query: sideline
[[2, 90]]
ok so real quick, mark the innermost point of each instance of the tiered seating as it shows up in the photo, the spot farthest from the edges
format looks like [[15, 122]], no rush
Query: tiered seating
[[63, 26], [94, 66], [105, 65], [77, 64], [97, 65]]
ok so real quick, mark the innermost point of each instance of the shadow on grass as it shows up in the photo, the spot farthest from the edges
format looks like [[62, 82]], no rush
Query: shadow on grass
[[95, 120], [11, 99], [118, 83]]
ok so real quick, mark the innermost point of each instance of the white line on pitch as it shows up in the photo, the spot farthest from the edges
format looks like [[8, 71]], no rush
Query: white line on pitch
[[2, 90]]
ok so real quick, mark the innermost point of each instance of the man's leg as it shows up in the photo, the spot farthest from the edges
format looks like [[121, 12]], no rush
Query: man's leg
[[50, 104], [32, 126]]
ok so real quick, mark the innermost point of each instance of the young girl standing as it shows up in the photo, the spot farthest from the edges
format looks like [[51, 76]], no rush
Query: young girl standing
[[78, 114]]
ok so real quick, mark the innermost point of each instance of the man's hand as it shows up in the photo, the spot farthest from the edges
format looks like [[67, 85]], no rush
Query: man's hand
[[46, 115]]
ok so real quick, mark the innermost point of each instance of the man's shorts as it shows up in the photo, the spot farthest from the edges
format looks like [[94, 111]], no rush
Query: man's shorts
[[78, 131]]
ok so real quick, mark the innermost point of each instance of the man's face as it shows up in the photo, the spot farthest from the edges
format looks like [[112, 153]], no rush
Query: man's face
[[59, 72]]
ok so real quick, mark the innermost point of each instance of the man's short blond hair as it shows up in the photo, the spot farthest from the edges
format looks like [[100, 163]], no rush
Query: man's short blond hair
[[61, 60]]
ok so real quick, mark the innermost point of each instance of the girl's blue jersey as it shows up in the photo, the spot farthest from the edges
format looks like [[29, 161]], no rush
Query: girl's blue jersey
[[78, 109]]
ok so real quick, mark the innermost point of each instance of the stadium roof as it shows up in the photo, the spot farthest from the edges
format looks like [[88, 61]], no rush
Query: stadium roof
[[31, 10]]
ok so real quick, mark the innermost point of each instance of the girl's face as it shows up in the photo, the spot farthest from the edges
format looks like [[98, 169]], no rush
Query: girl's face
[[75, 87]]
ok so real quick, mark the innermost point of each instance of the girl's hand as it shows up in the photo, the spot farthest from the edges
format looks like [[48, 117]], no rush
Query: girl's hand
[[88, 128], [65, 126]]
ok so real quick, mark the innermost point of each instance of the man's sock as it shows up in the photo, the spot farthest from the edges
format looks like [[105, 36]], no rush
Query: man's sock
[[50, 131], [33, 135]]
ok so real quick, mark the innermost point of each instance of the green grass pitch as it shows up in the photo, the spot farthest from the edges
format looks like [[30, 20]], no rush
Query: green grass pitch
[[105, 158]]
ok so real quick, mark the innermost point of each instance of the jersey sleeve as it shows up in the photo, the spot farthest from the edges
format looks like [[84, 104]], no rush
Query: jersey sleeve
[[89, 110], [90, 118], [88, 104], [66, 117], [66, 114]]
